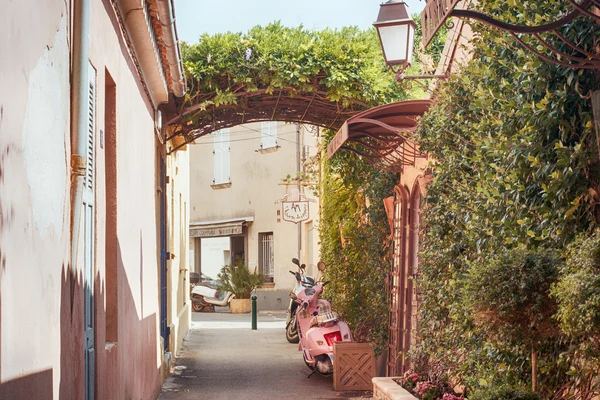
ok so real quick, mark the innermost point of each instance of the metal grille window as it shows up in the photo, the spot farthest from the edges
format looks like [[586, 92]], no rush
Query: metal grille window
[[266, 255]]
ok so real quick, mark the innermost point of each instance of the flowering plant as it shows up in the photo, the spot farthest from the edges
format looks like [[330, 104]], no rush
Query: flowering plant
[[410, 380], [448, 396], [427, 391]]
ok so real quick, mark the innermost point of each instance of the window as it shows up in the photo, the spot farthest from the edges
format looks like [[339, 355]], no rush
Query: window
[[266, 255], [268, 134], [222, 153]]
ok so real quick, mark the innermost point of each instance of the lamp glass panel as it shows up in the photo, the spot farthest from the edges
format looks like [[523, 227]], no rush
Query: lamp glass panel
[[393, 39], [411, 41]]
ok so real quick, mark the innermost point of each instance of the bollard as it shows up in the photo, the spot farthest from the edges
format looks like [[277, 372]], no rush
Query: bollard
[[254, 311]]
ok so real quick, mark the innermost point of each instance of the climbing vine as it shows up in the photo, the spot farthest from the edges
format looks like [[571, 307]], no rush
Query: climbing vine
[[345, 63], [515, 172], [355, 244]]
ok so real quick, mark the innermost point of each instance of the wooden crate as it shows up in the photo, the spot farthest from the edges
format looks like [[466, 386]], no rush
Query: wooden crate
[[353, 367]]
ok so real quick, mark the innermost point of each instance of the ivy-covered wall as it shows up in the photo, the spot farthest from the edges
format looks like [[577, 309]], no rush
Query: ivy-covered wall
[[355, 243], [515, 180]]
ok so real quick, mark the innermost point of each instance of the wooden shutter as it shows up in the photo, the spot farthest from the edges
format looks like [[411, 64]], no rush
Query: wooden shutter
[[89, 239], [222, 168], [268, 134]]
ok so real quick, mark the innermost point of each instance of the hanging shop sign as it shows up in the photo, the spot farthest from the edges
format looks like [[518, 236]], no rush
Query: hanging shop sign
[[295, 211]]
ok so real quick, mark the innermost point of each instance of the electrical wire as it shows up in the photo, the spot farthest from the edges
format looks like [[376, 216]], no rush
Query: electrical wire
[[277, 137]]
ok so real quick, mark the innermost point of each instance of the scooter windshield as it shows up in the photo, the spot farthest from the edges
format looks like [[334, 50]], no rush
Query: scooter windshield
[[307, 280]]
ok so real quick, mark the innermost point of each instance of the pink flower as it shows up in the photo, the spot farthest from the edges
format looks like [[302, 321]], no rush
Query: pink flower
[[448, 396]]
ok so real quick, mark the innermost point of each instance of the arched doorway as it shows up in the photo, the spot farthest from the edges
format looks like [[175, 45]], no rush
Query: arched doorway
[[397, 284]]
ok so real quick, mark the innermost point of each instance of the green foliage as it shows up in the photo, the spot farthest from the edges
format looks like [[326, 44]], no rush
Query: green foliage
[[577, 293], [430, 56], [503, 393], [509, 295], [355, 244], [516, 166], [238, 279], [578, 290], [346, 64]]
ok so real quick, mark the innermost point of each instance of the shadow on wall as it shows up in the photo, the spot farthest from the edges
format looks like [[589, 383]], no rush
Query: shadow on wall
[[125, 368], [33, 386], [72, 382], [38, 385]]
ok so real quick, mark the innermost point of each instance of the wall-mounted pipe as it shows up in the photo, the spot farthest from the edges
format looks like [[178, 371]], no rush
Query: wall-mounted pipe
[[146, 52], [79, 111], [166, 12]]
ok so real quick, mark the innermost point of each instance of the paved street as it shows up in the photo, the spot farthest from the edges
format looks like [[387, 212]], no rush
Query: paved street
[[223, 358]]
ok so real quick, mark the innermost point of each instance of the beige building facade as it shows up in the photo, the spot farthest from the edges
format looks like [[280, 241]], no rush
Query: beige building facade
[[239, 204], [89, 225]]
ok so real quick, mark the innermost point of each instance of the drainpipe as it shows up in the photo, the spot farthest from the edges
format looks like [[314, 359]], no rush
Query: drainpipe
[[166, 11], [79, 110], [299, 187]]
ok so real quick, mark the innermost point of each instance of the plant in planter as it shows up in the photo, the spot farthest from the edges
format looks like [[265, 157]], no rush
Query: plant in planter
[[238, 279], [427, 390], [409, 380]]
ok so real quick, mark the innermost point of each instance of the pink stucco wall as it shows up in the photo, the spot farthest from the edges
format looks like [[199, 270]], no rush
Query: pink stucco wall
[[34, 195], [41, 303]]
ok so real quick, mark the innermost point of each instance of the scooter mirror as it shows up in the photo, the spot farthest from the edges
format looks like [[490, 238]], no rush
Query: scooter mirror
[[303, 266], [295, 261], [321, 266]]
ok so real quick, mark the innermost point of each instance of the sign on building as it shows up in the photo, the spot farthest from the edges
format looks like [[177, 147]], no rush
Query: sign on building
[[214, 232], [295, 211]]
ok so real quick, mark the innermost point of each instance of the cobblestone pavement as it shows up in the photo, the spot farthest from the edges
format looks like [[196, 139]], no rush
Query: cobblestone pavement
[[223, 359]]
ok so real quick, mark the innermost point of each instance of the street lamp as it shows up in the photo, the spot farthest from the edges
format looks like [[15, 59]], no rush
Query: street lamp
[[396, 31]]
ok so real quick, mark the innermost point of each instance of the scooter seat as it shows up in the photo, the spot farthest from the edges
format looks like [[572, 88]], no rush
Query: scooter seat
[[323, 306]]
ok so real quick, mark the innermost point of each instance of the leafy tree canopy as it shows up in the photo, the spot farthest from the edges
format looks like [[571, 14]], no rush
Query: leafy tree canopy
[[346, 64]]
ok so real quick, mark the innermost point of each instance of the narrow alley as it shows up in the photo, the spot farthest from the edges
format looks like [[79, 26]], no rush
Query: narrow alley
[[222, 358]]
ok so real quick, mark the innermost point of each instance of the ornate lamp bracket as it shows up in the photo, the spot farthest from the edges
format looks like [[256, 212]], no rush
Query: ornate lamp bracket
[[578, 58]]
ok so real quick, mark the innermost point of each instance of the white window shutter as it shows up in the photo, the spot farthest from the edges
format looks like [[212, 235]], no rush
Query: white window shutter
[[222, 156], [268, 134]]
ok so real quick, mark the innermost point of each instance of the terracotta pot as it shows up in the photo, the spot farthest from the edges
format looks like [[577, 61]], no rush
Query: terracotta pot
[[240, 306]]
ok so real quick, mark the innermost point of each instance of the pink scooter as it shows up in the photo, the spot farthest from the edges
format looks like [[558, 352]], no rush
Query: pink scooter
[[318, 327]]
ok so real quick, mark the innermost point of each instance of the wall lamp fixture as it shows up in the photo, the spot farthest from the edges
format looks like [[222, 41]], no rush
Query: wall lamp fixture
[[396, 32]]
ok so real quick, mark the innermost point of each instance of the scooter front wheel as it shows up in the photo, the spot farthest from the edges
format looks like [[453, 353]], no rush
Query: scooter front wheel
[[291, 333], [197, 303]]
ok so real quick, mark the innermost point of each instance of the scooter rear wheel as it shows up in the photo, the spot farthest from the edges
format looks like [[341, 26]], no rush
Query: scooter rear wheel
[[291, 333]]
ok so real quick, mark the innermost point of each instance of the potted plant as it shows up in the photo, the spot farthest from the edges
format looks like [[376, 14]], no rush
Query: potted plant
[[238, 279]]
